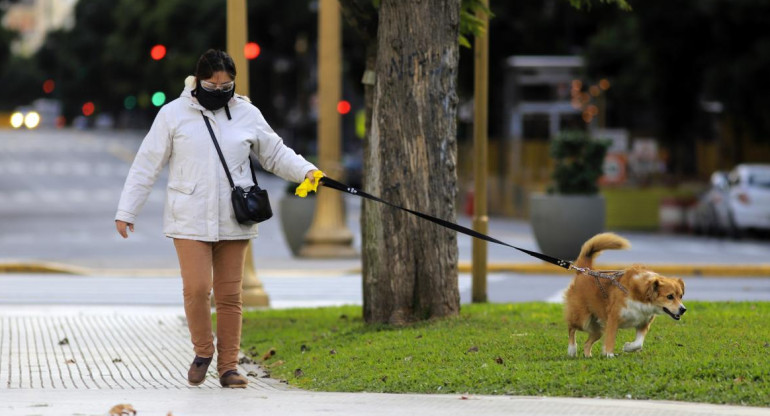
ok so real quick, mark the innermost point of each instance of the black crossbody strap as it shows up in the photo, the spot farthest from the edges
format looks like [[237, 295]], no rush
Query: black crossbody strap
[[253, 175], [222, 157]]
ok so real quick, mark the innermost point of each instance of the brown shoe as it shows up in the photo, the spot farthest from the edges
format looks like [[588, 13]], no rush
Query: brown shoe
[[233, 380], [197, 374]]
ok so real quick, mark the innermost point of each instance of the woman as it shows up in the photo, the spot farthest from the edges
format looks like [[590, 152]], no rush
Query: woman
[[198, 214]]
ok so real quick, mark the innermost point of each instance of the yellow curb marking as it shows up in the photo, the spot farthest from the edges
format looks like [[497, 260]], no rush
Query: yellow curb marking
[[705, 270]]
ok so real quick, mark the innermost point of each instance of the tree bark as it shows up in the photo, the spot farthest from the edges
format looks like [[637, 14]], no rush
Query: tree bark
[[409, 264]]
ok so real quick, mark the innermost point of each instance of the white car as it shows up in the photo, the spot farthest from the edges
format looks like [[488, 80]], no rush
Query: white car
[[748, 197]]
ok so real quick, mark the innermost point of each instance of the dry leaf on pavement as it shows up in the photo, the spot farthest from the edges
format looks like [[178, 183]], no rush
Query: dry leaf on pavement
[[122, 410]]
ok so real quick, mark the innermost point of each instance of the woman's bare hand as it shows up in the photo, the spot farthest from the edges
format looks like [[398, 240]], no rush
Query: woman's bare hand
[[121, 226]]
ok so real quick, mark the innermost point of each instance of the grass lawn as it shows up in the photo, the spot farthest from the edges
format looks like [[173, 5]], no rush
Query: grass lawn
[[719, 353]]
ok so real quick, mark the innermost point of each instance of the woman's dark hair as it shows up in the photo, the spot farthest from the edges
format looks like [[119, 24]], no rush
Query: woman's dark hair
[[212, 61]]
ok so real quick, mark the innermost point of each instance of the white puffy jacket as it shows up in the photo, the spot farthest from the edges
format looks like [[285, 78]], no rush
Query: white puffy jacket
[[198, 205]]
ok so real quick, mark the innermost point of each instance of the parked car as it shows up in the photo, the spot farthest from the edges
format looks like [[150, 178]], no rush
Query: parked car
[[711, 214], [736, 201]]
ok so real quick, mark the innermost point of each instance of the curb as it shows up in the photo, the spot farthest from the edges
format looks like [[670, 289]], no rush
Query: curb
[[702, 270], [42, 267]]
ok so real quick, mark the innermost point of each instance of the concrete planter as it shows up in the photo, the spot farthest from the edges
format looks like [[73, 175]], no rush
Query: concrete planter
[[562, 223], [296, 218]]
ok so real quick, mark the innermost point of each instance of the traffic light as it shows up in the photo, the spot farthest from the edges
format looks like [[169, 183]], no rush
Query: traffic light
[[48, 86], [251, 50], [158, 98], [130, 102], [88, 108], [158, 52], [343, 107]]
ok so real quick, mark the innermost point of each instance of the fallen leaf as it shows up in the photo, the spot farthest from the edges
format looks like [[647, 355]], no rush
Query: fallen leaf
[[298, 373], [408, 358], [384, 379], [464, 397], [245, 360], [679, 345], [473, 349], [122, 409], [767, 344], [303, 348], [64, 341], [70, 361], [343, 316], [117, 360], [276, 364], [333, 352], [268, 354], [738, 380], [418, 337], [252, 374], [499, 360]]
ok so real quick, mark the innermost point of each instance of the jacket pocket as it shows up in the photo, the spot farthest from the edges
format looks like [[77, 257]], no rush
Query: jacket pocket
[[186, 188]]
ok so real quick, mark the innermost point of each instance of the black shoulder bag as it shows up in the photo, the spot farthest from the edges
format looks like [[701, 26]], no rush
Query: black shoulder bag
[[250, 206]]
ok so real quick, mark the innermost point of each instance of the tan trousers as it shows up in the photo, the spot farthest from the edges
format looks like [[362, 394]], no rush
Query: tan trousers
[[198, 259]]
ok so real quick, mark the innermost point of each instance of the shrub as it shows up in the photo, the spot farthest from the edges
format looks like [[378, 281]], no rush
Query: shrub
[[578, 161]]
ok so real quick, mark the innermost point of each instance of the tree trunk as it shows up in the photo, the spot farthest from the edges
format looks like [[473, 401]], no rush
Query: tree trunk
[[409, 264]]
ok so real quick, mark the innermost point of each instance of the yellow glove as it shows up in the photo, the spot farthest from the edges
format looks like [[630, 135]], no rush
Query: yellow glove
[[307, 186]]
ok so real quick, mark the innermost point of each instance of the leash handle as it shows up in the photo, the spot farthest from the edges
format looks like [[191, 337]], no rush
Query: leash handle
[[331, 183]]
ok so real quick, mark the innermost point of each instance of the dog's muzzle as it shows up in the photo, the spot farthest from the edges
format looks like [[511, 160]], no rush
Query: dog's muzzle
[[677, 316]]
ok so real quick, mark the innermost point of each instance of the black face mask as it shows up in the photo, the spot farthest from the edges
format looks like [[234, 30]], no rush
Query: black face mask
[[213, 100]]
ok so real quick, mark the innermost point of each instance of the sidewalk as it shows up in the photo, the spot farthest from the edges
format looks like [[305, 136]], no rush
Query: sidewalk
[[62, 360]]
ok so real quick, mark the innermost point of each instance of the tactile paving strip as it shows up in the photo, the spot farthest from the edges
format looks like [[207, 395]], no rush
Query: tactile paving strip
[[102, 351]]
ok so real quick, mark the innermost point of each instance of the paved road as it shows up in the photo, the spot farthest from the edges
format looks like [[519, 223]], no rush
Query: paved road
[[59, 191]]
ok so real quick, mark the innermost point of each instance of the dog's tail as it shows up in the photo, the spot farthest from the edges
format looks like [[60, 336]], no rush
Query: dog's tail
[[598, 243]]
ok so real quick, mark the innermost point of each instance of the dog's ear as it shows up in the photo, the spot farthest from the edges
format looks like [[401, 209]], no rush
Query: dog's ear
[[652, 288], [681, 284]]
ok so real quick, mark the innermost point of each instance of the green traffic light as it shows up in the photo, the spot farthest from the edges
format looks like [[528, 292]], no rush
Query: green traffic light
[[130, 102], [158, 99]]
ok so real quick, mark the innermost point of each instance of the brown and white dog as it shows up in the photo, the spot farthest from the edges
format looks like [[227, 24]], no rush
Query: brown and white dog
[[589, 308]]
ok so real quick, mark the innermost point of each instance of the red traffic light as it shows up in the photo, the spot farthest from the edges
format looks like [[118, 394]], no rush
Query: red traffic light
[[88, 108], [343, 107], [48, 86], [251, 50], [158, 52]]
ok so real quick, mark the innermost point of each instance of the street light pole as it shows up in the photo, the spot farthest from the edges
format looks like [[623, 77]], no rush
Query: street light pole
[[253, 292], [480, 98], [329, 236]]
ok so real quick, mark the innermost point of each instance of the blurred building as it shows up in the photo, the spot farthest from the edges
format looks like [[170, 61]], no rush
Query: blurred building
[[33, 19], [537, 98]]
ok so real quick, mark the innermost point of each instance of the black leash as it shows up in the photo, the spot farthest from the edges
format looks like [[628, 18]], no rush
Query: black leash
[[611, 275]]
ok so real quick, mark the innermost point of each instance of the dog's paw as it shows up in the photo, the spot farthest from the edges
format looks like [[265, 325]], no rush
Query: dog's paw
[[608, 355], [631, 347], [572, 350]]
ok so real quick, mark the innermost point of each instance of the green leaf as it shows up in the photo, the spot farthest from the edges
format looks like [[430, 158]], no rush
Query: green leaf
[[464, 41]]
